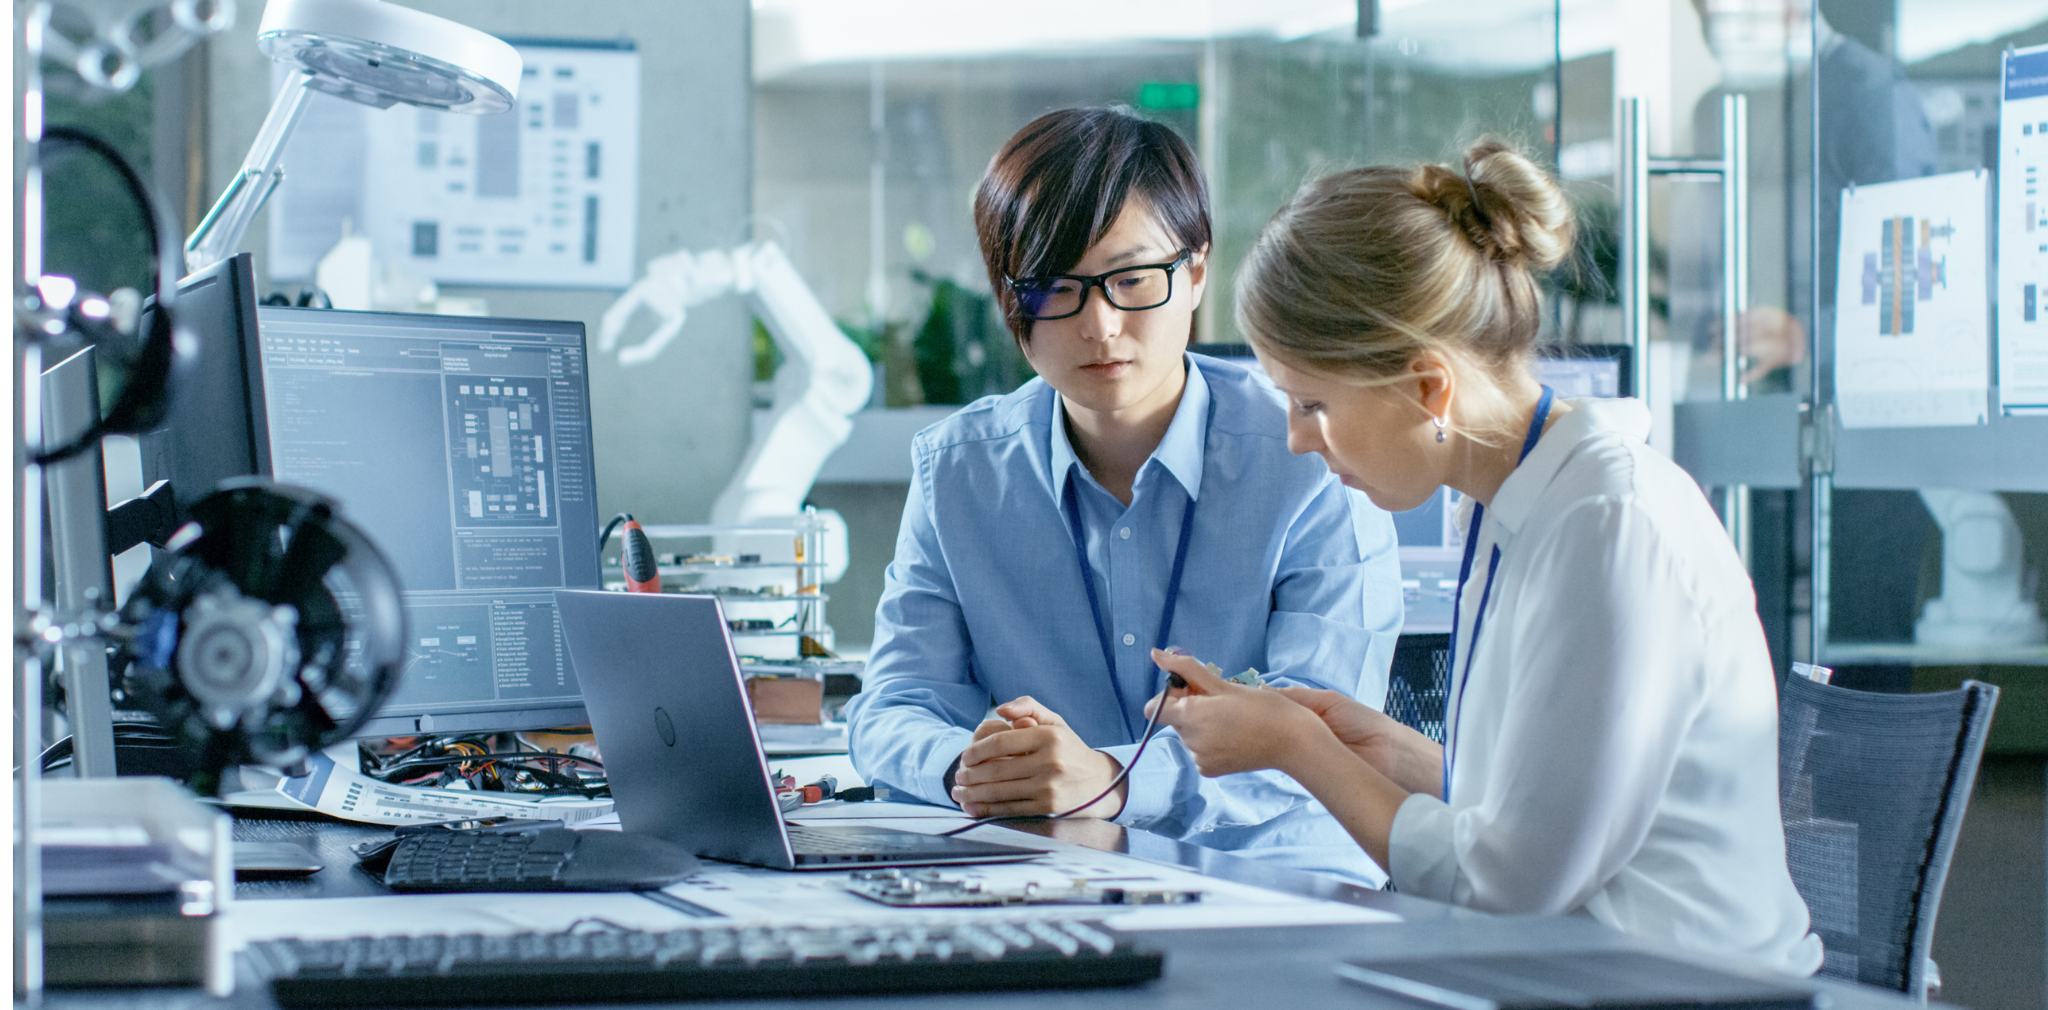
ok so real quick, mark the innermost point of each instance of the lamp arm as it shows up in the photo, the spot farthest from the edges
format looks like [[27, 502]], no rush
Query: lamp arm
[[220, 233]]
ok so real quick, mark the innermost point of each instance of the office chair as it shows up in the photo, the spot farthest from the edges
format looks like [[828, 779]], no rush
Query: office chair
[[1418, 684], [1872, 789]]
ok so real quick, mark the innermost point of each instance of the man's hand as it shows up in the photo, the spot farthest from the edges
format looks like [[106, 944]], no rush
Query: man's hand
[[1030, 762]]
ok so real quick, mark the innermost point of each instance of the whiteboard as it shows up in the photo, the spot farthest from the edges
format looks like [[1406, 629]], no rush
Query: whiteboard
[[542, 195]]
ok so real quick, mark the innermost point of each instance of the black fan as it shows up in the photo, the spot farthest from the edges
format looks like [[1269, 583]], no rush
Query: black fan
[[273, 628]]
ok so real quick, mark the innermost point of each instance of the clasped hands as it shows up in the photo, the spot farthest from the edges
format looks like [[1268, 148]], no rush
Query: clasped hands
[[1029, 762]]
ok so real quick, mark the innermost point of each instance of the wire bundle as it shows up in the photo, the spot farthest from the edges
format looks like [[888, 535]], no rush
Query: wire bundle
[[503, 763]]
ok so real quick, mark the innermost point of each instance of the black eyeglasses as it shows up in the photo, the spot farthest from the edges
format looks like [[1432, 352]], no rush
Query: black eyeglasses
[[1132, 289]]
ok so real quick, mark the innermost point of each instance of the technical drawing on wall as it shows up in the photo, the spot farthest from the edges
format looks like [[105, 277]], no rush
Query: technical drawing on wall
[[543, 194], [2023, 234], [1911, 328]]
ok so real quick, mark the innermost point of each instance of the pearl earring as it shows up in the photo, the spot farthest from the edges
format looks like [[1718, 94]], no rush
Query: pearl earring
[[1440, 422]]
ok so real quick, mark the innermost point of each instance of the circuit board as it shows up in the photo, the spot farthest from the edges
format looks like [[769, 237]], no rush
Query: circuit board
[[937, 889]]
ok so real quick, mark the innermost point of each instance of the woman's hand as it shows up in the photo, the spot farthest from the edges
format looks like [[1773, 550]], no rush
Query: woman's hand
[[1411, 760], [1229, 727], [1232, 728]]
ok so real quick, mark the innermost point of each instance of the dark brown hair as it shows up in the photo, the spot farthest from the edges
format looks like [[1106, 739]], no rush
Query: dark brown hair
[[1059, 184], [1365, 269]]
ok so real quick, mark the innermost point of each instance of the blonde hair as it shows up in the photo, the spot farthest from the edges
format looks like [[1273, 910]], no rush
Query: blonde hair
[[1364, 270]]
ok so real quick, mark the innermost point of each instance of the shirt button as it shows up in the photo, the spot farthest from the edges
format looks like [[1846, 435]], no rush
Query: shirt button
[[1124, 533], [1130, 639]]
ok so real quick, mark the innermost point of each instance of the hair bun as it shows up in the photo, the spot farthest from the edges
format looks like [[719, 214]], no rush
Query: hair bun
[[1510, 208]]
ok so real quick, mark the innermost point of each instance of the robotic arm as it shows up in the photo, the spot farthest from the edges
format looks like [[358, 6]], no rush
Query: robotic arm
[[824, 378]]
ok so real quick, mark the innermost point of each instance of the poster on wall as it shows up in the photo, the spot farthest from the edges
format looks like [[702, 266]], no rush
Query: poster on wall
[[2023, 233], [1912, 317], [545, 194]]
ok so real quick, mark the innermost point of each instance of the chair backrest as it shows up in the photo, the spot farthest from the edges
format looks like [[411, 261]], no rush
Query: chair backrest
[[1872, 788], [1418, 683]]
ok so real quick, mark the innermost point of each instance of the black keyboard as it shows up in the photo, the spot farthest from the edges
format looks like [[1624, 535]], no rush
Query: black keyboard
[[452, 859], [708, 962]]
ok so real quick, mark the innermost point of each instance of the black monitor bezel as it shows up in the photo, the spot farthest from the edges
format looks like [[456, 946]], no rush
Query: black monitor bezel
[[192, 464]]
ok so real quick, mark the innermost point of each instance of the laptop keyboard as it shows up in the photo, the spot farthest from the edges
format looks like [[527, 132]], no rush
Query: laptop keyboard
[[805, 839]]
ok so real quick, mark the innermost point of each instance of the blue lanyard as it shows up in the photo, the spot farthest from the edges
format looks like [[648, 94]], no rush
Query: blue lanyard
[[1485, 594], [1070, 504]]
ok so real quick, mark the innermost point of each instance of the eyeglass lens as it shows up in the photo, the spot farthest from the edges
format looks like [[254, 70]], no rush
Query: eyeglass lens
[[1130, 290]]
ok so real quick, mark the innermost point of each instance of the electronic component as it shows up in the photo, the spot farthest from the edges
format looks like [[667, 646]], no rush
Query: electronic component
[[938, 889], [792, 797], [707, 962], [636, 559], [272, 630]]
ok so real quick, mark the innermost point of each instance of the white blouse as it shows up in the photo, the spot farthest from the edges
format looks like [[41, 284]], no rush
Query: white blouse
[[1614, 747]]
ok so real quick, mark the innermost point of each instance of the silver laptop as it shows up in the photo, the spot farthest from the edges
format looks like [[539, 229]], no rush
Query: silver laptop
[[668, 703]]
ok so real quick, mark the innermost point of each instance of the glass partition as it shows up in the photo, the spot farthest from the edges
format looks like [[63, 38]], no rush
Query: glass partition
[[1933, 507], [868, 146]]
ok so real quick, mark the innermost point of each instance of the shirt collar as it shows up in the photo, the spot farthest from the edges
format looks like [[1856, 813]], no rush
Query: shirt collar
[[1590, 418], [1181, 450]]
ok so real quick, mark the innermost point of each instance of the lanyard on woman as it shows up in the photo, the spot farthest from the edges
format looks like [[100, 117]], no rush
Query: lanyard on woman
[[1070, 504], [1485, 594]]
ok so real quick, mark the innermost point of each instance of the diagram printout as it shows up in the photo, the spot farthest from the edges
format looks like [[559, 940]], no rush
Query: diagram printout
[[2023, 234], [1912, 320], [544, 194]]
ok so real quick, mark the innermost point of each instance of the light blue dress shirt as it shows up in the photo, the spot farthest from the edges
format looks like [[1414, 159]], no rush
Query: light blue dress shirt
[[1287, 571]]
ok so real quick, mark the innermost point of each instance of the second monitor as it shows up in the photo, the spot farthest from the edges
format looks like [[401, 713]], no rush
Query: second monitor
[[462, 446]]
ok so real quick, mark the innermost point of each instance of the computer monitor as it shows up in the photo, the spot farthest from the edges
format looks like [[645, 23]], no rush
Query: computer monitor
[[1586, 370], [462, 446], [1431, 540], [210, 434]]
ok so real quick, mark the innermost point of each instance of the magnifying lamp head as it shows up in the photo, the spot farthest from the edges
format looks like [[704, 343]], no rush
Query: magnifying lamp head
[[379, 54]]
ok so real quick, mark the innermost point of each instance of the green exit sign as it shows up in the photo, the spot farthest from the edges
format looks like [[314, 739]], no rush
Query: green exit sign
[[1163, 95]]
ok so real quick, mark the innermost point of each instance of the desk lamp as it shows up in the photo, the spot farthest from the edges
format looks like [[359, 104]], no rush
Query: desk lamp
[[367, 51]]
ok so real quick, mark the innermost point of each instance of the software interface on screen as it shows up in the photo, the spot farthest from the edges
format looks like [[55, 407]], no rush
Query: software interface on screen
[[462, 446]]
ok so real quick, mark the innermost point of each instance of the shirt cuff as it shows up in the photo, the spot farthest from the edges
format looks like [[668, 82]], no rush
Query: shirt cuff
[[1149, 789], [1421, 859], [935, 779]]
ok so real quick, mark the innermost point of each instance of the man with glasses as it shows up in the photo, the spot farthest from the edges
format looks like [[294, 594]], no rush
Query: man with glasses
[[1131, 496]]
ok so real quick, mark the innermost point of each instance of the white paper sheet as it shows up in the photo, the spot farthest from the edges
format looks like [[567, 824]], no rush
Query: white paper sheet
[[749, 895], [334, 786], [409, 914], [1912, 321], [2023, 234]]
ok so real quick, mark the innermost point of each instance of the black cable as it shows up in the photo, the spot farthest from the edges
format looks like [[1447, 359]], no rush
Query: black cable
[[456, 759], [145, 397], [1173, 680], [605, 537]]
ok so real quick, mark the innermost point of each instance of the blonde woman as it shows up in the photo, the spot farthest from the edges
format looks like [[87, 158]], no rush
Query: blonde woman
[[1612, 737]]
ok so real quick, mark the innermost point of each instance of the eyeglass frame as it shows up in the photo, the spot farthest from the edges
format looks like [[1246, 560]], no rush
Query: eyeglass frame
[[1097, 281]]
